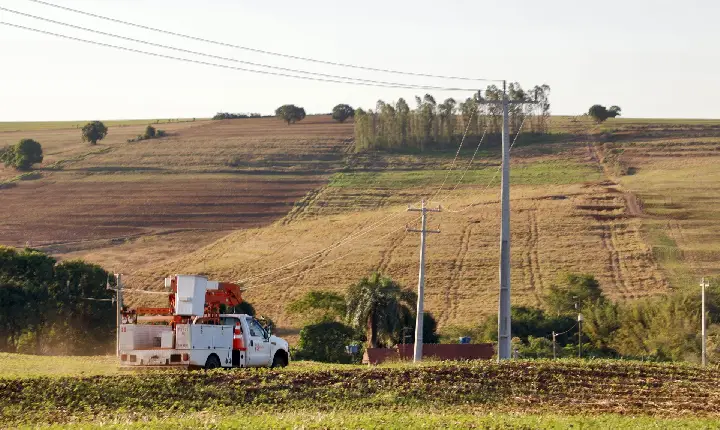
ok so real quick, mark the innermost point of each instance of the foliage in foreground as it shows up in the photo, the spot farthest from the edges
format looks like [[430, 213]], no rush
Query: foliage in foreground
[[49, 307], [561, 387], [22, 155]]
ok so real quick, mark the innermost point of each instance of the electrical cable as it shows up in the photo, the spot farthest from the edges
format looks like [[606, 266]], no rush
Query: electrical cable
[[327, 262], [344, 241], [452, 166], [145, 42], [223, 66], [494, 177], [260, 51]]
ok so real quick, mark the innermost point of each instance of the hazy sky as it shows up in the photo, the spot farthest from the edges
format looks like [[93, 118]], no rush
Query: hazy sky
[[653, 58]]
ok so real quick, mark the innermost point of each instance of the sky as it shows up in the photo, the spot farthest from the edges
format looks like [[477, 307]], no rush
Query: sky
[[655, 59]]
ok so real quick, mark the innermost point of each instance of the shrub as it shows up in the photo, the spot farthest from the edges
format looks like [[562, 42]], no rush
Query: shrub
[[23, 155], [149, 132], [326, 342]]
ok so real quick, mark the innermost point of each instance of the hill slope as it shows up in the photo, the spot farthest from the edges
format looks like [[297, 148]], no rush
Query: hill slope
[[266, 203]]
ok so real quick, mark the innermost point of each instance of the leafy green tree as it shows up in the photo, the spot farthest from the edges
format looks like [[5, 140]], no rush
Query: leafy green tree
[[381, 305], [407, 334], [342, 112], [527, 322], [573, 289], [149, 132], [52, 305], [600, 325], [290, 113], [22, 155], [326, 342], [600, 113], [93, 132], [319, 306]]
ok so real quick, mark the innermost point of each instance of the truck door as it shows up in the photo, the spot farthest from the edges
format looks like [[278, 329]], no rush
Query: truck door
[[258, 349]]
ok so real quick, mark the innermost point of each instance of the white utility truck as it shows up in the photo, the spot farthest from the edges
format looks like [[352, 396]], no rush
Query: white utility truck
[[192, 333]]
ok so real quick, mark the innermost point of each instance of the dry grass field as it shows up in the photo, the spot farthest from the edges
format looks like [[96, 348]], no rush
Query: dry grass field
[[286, 209]]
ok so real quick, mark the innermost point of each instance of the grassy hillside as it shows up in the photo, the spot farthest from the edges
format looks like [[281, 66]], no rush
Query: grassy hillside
[[631, 201]]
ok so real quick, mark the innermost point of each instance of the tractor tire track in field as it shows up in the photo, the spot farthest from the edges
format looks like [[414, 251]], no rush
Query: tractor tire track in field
[[387, 254], [609, 241], [302, 206], [452, 293], [305, 269], [531, 260]]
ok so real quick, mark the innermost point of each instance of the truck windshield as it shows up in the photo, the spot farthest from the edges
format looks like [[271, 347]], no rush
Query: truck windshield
[[255, 328]]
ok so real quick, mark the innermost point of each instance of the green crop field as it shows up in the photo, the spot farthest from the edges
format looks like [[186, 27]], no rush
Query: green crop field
[[534, 173], [521, 394]]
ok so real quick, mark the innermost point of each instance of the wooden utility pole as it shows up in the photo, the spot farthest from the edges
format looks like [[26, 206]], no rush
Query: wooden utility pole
[[417, 356], [504, 334], [119, 303]]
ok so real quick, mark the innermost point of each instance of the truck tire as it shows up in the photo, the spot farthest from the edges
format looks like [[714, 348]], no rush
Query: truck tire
[[279, 361], [213, 362]]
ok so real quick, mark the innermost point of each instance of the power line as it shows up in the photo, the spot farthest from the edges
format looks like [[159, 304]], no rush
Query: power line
[[452, 166], [223, 66], [327, 263], [347, 239], [145, 42], [494, 176], [260, 51]]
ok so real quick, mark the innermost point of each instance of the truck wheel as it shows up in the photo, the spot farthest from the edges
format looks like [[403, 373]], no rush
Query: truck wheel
[[279, 361], [213, 362]]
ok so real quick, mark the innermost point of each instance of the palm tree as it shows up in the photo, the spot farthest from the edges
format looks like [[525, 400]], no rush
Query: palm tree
[[378, 303]]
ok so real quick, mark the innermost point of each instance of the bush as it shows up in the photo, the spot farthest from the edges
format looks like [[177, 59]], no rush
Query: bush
[[149, 132], [326, 342], [23, 155], [160, 133]]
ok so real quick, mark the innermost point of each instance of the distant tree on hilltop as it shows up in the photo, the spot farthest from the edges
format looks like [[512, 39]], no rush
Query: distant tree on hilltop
[[342, 112], [290, 113], [94, 131], [22, 155], [600, 113]]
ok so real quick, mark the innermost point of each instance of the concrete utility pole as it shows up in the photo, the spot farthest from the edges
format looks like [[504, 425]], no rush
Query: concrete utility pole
[[704, 284], [119, 303], [417, 356], [504, 334], [580, 321], [554, 345]]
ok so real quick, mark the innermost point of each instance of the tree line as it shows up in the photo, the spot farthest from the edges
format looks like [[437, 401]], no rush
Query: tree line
[[436, 125], [663, 328], [48, 307], [375, 311]]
